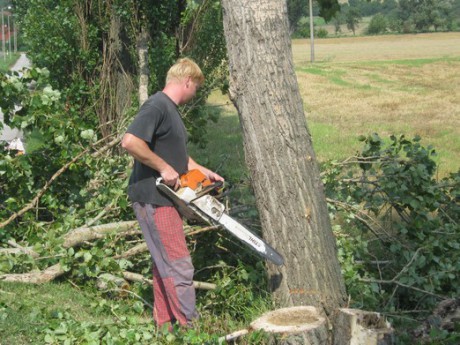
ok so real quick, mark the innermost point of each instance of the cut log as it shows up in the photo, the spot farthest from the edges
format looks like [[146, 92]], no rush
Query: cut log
[[359, 327]]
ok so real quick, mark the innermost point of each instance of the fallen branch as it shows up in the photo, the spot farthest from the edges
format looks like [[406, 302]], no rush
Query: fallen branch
[[34, 201], [18, 249], [379, 281], [371, 223], [140, 248], [398, 283], [106, 147], [80, 235], [136, 277], [42, 191], [38, 277]]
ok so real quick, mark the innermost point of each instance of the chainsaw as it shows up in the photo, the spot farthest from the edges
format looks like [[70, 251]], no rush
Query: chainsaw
[[195, 201]]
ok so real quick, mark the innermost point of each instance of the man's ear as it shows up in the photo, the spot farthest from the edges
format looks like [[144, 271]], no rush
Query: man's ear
[[188, 80]]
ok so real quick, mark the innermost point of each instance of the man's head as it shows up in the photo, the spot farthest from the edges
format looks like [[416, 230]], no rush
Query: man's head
[[184, 76], [184, 68]]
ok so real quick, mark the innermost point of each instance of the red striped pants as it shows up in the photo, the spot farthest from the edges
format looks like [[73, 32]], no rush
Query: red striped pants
[[174, 294]]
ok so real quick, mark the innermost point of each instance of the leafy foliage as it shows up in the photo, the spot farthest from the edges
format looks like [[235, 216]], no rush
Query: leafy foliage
[[92, 189], [410, 255], [424, 14], [377, 25], [55, 135], [90, 49]]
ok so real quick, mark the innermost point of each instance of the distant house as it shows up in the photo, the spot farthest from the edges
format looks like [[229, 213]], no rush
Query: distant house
[[7, 30]]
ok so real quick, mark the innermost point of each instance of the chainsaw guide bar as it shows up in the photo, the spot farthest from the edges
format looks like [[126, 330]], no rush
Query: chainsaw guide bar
[[197, 207]]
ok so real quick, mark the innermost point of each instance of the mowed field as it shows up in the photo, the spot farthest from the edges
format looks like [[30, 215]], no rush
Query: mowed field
[[403, 85], [378, 48], [393, 84]]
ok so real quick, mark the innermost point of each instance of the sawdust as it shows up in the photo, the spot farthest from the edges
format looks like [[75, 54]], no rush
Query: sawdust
[[292, 318]]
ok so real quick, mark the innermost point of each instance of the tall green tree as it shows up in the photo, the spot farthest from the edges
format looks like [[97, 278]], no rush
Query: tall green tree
[[352, 18], [422, 15], [91, 49], [299, 8]]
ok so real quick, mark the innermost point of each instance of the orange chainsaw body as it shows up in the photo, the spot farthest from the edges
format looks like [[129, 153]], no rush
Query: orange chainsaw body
[[194, 179]]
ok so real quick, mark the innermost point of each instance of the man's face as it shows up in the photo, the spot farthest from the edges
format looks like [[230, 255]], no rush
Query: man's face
[[190, 89]]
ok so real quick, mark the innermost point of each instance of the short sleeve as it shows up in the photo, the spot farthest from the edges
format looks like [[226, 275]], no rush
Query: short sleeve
[[146, 122]]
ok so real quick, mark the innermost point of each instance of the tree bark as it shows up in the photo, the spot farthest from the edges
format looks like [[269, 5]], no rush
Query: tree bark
[[279, 154], [142, 50], [354, 326]]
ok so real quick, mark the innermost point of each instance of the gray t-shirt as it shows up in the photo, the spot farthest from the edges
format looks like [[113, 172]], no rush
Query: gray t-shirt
[[160, 125]]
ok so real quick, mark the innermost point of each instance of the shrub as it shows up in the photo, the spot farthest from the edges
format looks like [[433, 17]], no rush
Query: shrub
[[407, 220], [321, 33], [377, 25]]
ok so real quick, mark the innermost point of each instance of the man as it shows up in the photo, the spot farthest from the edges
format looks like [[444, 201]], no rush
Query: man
[[157, 140]]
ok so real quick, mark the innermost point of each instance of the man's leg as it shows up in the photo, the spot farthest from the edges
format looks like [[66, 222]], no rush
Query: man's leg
[[173, 273]]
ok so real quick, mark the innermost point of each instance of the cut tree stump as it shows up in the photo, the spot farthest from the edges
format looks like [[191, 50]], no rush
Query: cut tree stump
[[293, 325], [304, 325], [359, 327]]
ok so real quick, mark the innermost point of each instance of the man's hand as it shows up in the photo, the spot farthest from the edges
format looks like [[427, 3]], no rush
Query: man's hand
[[213, 176], [208, 173], [170, 177]]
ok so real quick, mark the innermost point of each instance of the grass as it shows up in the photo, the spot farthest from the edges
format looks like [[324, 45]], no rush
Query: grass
[[224, 152], [420, 97], [9, 60], [26, 311], [405, 84]]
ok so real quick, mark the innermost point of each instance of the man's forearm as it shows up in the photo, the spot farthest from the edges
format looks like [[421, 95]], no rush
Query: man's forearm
[[139, 149]]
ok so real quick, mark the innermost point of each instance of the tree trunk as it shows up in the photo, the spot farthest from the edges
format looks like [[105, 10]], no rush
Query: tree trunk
[[143, 53], [279, 154], [354, 326]]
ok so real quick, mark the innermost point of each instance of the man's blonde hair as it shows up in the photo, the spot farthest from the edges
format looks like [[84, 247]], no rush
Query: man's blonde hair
[[184, 68]]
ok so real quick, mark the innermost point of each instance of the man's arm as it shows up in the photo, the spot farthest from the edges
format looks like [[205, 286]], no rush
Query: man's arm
[[139, 149], [209, 174]]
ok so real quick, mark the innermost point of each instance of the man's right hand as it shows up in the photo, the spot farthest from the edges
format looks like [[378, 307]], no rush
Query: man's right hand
[[170, 177], [139, 149]]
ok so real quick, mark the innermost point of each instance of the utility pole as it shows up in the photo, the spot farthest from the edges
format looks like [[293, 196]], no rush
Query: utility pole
[[3, 37], [15, 38], [312, 34], [9, 35]]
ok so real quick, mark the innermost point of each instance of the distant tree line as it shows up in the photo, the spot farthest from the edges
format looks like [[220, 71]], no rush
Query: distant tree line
[[399, 16]]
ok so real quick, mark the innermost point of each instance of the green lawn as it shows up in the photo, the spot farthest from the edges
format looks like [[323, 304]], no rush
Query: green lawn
[[8, 61]]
